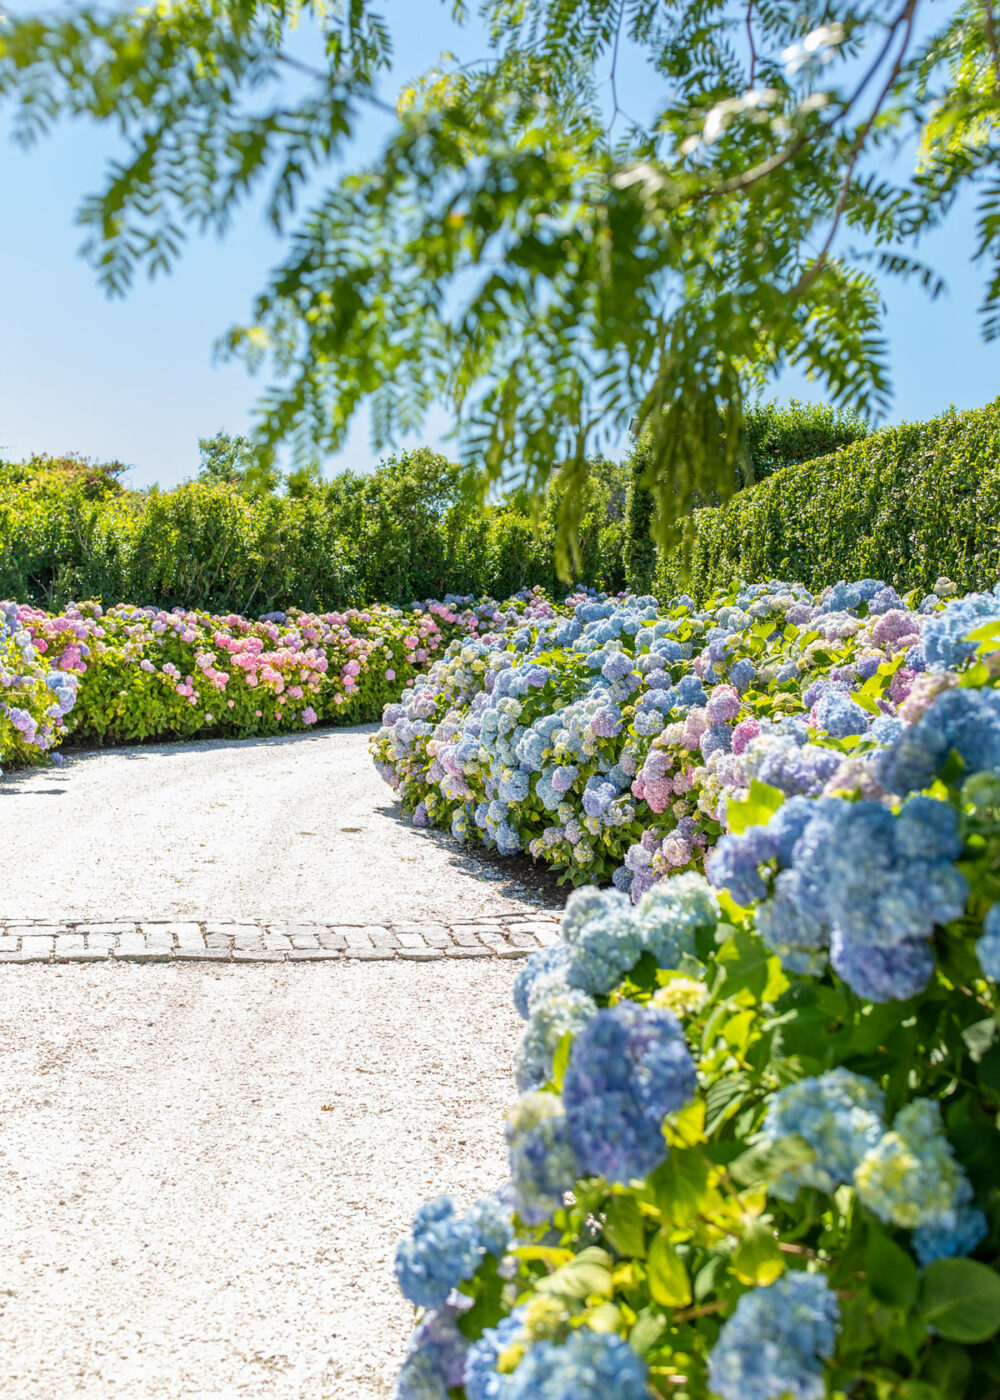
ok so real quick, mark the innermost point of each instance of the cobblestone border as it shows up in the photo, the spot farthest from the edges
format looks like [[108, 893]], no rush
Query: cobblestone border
[[251, 942]]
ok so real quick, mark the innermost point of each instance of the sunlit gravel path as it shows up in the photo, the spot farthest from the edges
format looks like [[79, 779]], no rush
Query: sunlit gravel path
[[203, 1168], [204, 1164], [298, 828]]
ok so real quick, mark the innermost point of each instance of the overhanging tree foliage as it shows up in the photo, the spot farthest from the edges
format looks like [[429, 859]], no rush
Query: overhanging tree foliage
[[525, 250]]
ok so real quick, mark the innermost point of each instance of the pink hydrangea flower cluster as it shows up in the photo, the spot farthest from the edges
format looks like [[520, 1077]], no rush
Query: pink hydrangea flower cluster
[[145, 672]]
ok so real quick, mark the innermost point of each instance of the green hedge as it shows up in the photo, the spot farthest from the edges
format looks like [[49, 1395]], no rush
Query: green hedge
[[409, 530], [777, 436], [906, 504]]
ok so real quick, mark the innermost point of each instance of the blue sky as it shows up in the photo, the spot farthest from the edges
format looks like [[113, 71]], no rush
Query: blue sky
[[135, 379]]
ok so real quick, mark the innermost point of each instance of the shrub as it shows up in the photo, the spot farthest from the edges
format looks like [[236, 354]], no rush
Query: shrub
[[609, 737], [776, 436], [410, 529], [904, 505], [756, 1150], [143, 673], [35, 696], [781, 435]]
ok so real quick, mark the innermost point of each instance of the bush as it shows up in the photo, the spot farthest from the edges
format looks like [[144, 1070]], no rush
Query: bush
[[781, 435], [905, 505], [411, 529], [35, 696], [123, 674], [776, 436], [608, 738], [756, 1150]]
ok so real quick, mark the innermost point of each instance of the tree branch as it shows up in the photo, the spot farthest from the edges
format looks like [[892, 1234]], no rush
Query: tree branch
[[991, 37], [613, 75], [809, 276], [319, 76]]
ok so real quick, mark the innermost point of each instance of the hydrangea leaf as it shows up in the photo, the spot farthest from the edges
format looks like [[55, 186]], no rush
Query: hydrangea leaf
[[745, 962], [647, 1330], [681, 1185], [768, 1162], [761, 802], [891, 1273], [757, 1260], [586, 1275], [561, 1059], [960, 1299], [668, 1278], [623, 1227]]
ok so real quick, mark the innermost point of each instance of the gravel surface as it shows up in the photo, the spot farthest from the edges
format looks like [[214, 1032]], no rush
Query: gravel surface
[[297, 828], [204, 1168]]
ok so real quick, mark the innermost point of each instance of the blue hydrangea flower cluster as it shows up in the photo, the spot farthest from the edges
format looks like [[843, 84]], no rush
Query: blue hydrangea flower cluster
[[910, 1177], [944, 640], [555, 1010], [443, 1248], [435, 1358], [775, 1342], [964, 719], [587, 1366], [628, 1068], [671, 914], [543, 1165], [602, 937], [839, 1115], [869, 883], [544, 969], [482, 1379]]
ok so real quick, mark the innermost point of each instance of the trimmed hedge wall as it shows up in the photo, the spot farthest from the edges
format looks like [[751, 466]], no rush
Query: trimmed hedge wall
[[906, 505]]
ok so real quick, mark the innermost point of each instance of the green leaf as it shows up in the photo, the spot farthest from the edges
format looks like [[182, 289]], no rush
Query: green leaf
[[988, 632], [918, 1390], [960, 1299], [892, 1274], [668, 1278], [561, 1059], [760, 805], [487, 1291], [766, 1163], [623, 1227], [680, 1184], [757, 1260], [586, 1275], [744, 959], [647, 1330]]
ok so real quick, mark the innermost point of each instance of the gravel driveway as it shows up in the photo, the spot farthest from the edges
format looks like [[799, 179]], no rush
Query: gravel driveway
[[203, 1170], [204, 1167], [295, 828]]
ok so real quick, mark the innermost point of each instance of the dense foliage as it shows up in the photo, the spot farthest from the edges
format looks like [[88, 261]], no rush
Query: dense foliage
[[526, 248], [124, 673], [609, 737], [35, 694], [755, 1153], [905, 504], [409, 529], [778, 435]]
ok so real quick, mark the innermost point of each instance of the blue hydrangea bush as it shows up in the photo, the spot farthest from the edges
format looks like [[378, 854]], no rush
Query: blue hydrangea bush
[[756, 1153], [608, 737]]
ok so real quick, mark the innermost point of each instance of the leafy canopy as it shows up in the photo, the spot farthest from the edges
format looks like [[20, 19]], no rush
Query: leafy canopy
[[525, 249]]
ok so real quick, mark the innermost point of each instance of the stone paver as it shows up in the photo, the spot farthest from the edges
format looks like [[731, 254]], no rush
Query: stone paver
[[213, 940]]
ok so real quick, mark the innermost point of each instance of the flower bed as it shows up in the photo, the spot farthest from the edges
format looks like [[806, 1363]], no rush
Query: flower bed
[[35, 697], [609, 738], [755, 1154], [128, 673]]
